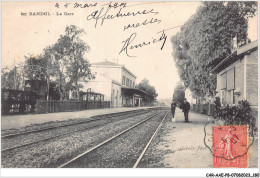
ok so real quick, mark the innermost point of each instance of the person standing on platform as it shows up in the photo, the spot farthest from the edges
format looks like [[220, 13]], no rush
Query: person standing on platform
[[173, 107], [186, 109]]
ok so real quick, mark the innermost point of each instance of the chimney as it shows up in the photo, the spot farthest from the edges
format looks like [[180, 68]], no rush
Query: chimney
[[234, 44]]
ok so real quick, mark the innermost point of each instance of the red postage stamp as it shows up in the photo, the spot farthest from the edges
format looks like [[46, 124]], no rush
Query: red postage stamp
[[230, 146]]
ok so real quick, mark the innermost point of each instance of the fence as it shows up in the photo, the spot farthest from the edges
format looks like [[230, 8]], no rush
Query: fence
[[204, 108], [66, 106], [17, 101], [97, 104]]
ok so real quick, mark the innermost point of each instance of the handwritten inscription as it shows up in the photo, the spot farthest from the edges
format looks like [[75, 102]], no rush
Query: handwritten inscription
[[99, 13], [116, 4], [84, 5], [128, 43], [146, 22], [88, 5], [103, 14]]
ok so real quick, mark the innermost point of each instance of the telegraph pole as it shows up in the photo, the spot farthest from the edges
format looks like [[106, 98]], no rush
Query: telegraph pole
[[48, 85], [14, 77]]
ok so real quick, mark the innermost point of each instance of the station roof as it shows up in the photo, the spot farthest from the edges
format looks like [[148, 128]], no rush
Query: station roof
[[91, 93], [106, 63], [111, 64], [133, 91], [235, 56]]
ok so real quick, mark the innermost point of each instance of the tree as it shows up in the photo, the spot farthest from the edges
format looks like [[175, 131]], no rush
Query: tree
[[35, 67], [205, 40], [69, 54], [11, 78], [56, 71], [62, 63], [150, 90]]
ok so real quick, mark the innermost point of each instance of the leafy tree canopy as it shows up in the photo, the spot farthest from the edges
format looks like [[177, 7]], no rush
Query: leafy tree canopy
[[205, 40], [149, 89], [63, 63], [35, 67], [10, 79], [69, 57], [69, 51]]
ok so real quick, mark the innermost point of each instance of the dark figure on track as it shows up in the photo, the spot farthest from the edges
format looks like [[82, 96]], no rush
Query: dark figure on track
[[173, 107], [186, 109]]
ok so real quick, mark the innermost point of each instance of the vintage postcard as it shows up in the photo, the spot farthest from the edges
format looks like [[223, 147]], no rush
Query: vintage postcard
[[154, 84]]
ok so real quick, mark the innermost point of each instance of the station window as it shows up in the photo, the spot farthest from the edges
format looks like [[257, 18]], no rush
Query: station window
[[226, 82], [123, 80], [223, 97], [230, 97]]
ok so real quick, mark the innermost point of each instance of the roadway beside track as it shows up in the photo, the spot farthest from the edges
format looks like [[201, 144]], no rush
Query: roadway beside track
[[18, 121]]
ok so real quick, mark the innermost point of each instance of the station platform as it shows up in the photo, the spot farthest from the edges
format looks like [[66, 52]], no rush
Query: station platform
[[18, 121]]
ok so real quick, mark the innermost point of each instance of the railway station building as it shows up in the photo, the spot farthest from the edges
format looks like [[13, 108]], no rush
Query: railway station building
[[116, 83], [237, 77]]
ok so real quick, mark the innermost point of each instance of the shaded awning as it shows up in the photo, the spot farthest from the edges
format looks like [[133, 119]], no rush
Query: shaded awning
[[132, 91], [238, 54], [226, 62]]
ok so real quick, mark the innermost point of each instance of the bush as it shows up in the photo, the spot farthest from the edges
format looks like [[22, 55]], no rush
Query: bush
[[217, 107], [237, 115]]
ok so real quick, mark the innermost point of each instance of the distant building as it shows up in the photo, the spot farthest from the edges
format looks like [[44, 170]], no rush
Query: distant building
[[237, 76], [117, 84]]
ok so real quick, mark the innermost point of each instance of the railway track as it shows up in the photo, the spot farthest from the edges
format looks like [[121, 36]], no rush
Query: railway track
[[149, 142], [95, 118], [74, 160]]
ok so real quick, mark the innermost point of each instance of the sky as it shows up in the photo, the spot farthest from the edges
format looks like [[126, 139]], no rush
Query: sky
[[24, 35]]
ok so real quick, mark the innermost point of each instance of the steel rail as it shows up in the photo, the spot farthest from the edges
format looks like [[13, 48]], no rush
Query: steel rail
[[105, 116], [56, 136], [150, 141], [106, 141]]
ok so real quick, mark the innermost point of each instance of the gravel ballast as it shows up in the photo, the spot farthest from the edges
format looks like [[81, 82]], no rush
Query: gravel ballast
[[123, 151], [32, 137], [59, 150]]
